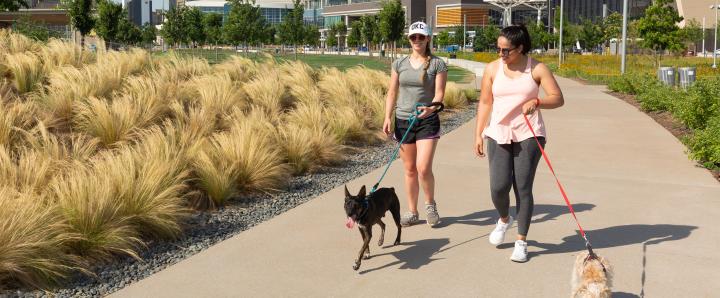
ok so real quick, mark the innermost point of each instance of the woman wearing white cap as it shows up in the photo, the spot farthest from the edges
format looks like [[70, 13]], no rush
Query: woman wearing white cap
[[417, 78]]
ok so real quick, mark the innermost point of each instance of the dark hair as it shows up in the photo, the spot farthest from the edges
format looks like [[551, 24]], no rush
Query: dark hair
[[517, 35], [427, 62]]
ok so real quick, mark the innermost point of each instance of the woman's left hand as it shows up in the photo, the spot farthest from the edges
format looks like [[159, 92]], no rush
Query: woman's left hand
[[529, 107], [426, 111]]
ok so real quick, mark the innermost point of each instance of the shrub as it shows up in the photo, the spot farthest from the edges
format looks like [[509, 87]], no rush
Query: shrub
[[454, 96], [700, 104], [660, 98], [32, 242], [704, 144], [27, 71], [632, 83]]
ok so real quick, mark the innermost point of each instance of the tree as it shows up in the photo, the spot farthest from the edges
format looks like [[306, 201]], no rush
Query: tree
[[109, 14], [612, 27], [659, 30], [369, 30], [212, 23], [538, 35], [443, 39], [591, 35], [81, 18], [458, 36], [569, 32], [13, 5], [341, 29], [392, 21], [292, 29], [32, 29], [195, 27], [354, 39], [128, 33], [691, 33], [174, 30], [149, 34], [245, 23], [331, 40], [486, 38], [312, 35]]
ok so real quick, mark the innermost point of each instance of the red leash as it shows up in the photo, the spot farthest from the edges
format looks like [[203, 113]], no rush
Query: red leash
[[562, 190]]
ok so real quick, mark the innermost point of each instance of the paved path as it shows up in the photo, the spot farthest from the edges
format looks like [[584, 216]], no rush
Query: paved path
[[645, 206]]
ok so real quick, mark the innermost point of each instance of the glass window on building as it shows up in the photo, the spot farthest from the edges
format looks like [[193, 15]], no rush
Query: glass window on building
[[329, 21]]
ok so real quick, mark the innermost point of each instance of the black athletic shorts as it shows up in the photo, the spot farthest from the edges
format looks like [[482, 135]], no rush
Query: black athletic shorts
[[423, 129]]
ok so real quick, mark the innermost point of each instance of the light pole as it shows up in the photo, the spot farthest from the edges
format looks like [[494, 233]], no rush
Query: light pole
[[560, 53], [703, 38], [715, 7], [624, 37]]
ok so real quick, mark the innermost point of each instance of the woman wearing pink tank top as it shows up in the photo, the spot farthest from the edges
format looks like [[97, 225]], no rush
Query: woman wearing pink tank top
[[510, 88]]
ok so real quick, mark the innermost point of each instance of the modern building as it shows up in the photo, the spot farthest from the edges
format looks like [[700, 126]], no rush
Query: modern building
[[49, 13], [273, 10], [314, 13], [579, 10], [140, 11], [439, 14]]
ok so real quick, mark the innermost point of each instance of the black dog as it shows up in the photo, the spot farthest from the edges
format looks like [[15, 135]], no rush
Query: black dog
[[367, 211]]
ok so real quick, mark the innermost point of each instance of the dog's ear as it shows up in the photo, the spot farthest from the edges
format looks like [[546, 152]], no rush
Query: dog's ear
[[362, 192], [347, 193]]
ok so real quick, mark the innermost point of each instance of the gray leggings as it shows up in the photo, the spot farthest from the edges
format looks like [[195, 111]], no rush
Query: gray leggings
[[514, 164]]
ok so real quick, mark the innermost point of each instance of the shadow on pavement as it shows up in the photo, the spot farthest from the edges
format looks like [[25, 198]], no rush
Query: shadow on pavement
[[614, 237], [624, 295], [415, 255], [541, 213]]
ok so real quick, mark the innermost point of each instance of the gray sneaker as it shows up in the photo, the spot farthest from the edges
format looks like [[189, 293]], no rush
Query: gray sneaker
[[409, 219], [433, 217]]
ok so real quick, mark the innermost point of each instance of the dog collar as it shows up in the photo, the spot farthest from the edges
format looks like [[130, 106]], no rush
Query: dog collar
[[366, 205]]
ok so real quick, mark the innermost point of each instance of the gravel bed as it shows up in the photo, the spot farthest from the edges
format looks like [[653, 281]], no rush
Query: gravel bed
[[207, 228]]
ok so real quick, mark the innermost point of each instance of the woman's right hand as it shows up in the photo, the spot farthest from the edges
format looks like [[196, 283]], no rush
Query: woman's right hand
[[386, 126], [479, 147]]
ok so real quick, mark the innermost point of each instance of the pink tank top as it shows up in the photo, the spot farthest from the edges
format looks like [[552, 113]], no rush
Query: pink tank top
[[506, 123]]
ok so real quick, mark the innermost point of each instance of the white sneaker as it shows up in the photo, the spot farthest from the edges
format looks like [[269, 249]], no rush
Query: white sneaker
[[520, 252], [497, 236]]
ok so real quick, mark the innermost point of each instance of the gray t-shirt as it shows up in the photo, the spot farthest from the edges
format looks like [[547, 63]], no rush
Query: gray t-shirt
[[412, 90]]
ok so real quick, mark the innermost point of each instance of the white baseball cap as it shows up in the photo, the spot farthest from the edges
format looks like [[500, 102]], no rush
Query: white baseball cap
[[419, 28]]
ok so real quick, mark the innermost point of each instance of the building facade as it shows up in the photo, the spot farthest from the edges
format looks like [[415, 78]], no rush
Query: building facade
[[579, 10], [49, 13], [140, 11], [273, 11]]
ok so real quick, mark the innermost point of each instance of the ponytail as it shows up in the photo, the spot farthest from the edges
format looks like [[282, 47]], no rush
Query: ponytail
[[427, 62]]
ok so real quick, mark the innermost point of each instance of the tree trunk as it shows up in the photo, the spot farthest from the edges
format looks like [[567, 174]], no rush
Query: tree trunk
[[295, 49], [82, 41]]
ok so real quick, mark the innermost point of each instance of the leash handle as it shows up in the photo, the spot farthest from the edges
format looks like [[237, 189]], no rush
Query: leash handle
[[413, 119], [562, 190]]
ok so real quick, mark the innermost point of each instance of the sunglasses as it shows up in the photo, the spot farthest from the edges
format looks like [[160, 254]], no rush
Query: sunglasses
[[505, 51], [417, 37]]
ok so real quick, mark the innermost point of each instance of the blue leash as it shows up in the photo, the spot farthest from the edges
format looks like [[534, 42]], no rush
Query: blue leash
[[413, 119]]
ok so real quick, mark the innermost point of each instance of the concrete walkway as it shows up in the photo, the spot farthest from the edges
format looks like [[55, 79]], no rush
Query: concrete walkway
[[644, 205]]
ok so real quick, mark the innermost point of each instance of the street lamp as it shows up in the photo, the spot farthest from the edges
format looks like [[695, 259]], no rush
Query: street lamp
[[560, 53], [715, 7], [624, 38]]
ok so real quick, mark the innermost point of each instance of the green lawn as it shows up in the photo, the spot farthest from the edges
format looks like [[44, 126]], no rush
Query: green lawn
[[455, 74], [459, 75]]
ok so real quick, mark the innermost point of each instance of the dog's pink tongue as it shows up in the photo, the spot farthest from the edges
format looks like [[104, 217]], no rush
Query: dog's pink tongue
[[349, 223]]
